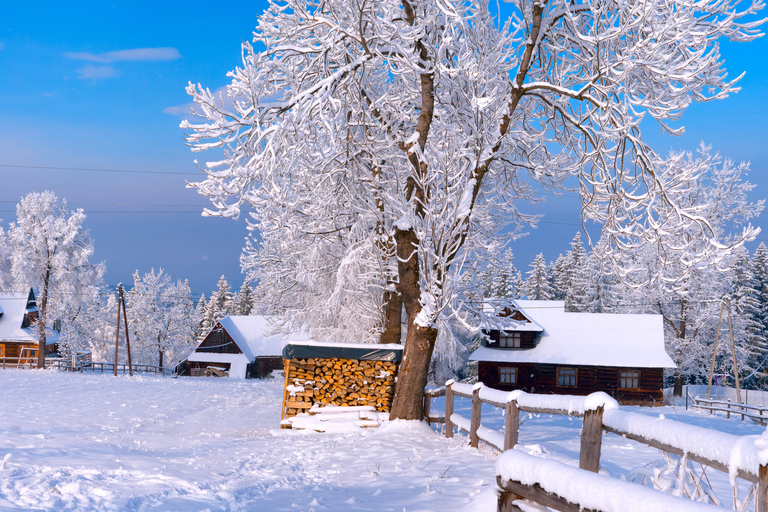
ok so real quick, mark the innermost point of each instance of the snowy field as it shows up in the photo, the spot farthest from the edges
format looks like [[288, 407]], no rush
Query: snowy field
[[97, 442]]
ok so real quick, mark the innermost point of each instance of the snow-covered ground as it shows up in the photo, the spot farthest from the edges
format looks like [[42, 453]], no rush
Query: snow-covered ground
[[96, 442]]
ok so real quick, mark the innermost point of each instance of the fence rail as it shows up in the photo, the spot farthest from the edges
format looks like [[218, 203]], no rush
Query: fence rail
[[728, 407], [600, 414], [96, 367]]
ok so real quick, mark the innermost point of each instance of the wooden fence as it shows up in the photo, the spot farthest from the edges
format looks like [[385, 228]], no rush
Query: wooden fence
[[637, 427], [109, 368], [756, 413]]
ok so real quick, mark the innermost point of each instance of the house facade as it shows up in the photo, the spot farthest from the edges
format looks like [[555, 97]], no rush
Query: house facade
[[241, 347], [538, 347]]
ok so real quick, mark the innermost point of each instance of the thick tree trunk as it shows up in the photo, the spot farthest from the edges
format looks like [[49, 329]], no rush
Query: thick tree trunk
[[393, 310], [408, 403]]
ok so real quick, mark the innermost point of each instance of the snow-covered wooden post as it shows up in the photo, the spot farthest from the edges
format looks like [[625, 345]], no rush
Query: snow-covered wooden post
[[511, 425], [474, 421], [591, 440], [448, 408]]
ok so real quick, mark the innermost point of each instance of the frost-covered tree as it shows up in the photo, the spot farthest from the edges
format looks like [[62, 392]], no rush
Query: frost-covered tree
[[538, 286], [690, 298], [412, 128], [205, 319], [6, 280], [244, 304], [161, 318], [221, 304], [51, 251]]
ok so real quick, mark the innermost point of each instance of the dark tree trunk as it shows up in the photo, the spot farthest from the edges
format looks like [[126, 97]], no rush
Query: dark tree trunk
[[42, 319], [408, 403], [678, 388], [393, 309]]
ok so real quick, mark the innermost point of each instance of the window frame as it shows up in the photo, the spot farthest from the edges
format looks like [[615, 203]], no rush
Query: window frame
[[512, 373], [564, 372], [515, 337], [635, 379]]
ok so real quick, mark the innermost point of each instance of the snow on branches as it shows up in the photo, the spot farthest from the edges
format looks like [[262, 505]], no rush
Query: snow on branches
[[412, 129]]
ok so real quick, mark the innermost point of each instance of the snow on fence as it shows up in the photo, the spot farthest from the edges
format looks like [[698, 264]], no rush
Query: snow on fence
[[67, 366], [744, 457]]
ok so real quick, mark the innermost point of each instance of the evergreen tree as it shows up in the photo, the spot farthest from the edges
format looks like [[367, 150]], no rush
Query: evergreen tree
[[537, 286], [245, 302], [221, 302]]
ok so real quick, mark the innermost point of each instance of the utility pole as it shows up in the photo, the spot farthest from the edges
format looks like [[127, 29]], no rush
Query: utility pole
[[121, 305]]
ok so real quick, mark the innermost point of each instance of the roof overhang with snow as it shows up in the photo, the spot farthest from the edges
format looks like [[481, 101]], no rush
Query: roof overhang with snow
[[14, 306], [587, 339]]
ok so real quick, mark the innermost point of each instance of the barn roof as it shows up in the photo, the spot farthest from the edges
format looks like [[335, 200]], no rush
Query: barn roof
[[590, 339], [13, 306]]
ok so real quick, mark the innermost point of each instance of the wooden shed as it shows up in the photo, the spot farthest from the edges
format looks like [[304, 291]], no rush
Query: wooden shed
[[240, 347], [538, 347], [339, 374]]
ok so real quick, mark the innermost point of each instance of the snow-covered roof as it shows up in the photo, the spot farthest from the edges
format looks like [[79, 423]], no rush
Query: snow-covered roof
[[499, 314], [591, 339], [253, 335], [13, 306]]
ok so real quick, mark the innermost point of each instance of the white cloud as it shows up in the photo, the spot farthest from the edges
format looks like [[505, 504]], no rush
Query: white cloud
[[89, 72], [137, 54]]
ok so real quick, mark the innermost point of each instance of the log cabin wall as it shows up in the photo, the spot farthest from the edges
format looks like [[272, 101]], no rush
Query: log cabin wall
[[543, 378], [342, 382]]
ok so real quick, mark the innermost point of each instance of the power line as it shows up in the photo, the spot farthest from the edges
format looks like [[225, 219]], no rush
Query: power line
[[96, 169]]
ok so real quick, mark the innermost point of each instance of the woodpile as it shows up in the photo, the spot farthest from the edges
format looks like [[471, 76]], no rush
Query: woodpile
[[341, 382]]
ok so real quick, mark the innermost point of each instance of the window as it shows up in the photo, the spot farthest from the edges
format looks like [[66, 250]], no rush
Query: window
[[2, 350], [509, 340], [507, 375], [566, 377], [629, 379]]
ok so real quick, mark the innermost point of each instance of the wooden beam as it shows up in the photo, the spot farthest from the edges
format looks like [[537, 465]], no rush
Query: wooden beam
[[511, 425], [537, 494], [474, 420], [591, 440], [448, 409]]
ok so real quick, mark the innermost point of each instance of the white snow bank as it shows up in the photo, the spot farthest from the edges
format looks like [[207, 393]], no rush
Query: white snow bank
[[590, 490]]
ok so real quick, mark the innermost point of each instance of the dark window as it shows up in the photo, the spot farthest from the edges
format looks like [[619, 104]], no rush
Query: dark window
[[566, 377], [507, 375], [509, 340], [629, 379]]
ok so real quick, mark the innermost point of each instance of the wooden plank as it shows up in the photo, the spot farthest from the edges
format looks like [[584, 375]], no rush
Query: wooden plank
[[591, 440], [511, 425], [448, 409], [505, 503], [286, 369], [474, 420], [537, 494], [677, 451], [762, 490], [298, 405]]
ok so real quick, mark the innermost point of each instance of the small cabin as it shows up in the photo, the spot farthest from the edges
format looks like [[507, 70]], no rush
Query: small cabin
[[18, 337], [240, 347], [538, 347]]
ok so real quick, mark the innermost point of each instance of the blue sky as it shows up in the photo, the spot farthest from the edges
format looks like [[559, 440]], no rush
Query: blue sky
[[91, 85]]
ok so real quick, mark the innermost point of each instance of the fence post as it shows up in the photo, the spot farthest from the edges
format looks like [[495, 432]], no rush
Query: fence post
[[761, 504], [474, 422], [427, 405], [448, 408], [591, 440], [511, 425], [728, 406]]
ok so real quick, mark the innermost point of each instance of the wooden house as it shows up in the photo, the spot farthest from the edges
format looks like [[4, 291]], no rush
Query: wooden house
[[18, 338], [538, 347], [240, 347]]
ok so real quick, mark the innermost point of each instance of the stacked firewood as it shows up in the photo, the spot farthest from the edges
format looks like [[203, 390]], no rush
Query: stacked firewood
[[343, 382]]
